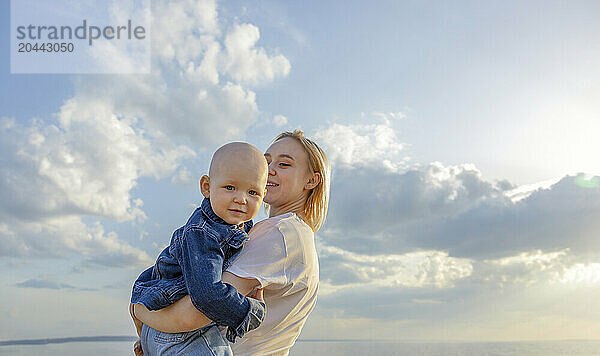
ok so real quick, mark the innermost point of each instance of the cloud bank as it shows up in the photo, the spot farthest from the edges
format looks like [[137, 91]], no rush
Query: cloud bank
[[61, 176], [415, 242]]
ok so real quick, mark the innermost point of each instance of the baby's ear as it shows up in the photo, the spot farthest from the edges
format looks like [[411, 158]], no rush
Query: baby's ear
[[205, 186]]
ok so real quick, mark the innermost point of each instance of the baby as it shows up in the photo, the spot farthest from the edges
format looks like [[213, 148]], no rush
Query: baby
[[204, 247]]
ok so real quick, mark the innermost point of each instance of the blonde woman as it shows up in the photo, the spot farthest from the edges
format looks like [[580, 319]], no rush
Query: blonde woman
[[279, 258]]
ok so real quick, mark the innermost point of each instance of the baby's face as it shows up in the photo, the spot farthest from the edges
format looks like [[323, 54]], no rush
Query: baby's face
[[237, 190]]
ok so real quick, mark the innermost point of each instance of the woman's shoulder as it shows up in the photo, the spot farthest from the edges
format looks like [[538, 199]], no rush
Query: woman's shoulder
[[285, 225], [292, 227]]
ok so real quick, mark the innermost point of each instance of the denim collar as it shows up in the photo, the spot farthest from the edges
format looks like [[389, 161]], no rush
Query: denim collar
[[233, 235]]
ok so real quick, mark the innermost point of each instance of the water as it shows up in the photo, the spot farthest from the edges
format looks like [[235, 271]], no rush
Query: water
[[539, 348], [70, 349], [334, 348]]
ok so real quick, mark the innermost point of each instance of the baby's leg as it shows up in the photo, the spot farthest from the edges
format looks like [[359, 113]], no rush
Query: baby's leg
[[202, 342], [144, 339], [215, 341]]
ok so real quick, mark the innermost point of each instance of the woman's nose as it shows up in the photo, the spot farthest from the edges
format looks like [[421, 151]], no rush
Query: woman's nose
[[271, 170]]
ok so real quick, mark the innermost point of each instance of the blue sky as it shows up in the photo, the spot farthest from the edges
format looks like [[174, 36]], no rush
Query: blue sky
[[463, 136]]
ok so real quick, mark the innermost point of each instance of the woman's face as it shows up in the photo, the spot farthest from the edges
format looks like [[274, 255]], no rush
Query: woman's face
[[288, 173]]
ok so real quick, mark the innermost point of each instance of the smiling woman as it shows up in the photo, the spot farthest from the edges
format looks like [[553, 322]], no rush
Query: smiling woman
[[287, 152], [279, 256]]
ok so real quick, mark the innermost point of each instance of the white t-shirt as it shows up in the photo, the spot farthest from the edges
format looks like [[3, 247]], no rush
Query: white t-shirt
[[280, 253]]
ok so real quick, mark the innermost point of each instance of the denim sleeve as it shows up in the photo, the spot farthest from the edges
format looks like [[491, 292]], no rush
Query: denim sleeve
[[137, 292], [145, 276], [201, 259]]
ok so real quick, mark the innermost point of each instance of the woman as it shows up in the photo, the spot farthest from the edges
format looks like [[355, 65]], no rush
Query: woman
[[279, 257]]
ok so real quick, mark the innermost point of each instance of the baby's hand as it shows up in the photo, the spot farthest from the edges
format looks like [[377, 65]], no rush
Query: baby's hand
[[137, 348]]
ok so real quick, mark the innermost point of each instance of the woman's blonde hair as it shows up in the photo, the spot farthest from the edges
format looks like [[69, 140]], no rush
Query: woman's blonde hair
[[315, 208]]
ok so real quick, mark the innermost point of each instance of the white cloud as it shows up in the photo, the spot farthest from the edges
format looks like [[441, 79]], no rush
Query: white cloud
[[67, 236], [582, 273], [387, 116], [525, 268], [353, 146], [123, 56], [184, 30], [341, 269], [123, 59], [389, 211], [523, 191], [280, 120], [455, 209], [200, 67], [183, 177], [196, 92], [85, 165], [564, 216], [435, 243], [118, 129], [425, 287], [539, 267], [247, 64], [176, 102], [379, 204]]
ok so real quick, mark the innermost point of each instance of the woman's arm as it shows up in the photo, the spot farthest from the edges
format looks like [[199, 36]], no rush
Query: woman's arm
[[182, 315]]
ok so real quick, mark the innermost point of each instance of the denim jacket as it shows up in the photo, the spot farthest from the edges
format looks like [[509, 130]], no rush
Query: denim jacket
[[192, 264]]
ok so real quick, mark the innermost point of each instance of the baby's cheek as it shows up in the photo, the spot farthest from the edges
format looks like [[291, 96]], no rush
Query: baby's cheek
[[256, 205]]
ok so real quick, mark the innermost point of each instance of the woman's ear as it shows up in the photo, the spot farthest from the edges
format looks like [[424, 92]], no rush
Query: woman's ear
[[205, 186], [313, 181]]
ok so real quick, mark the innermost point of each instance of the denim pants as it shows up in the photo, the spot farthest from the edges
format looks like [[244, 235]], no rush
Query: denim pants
[[207, 341]]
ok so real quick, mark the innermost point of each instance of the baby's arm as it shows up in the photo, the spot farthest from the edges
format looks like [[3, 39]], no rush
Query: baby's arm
[[201, 259], [182, 315]]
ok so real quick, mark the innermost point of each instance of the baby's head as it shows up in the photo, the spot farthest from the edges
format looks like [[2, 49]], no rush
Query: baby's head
[[236, 182]]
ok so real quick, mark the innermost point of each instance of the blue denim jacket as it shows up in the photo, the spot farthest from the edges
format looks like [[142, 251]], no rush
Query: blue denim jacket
[[192, 264]]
